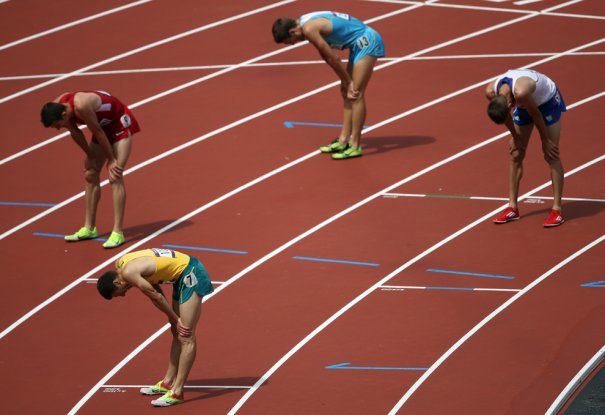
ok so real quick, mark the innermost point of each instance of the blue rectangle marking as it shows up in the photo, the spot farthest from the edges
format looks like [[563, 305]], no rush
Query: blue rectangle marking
[[472, 274], [199, 248], [27, 204], [346, 366], [339, 261]]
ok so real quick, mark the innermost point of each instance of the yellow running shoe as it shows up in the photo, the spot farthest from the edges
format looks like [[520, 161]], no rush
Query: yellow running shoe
[[81, 235], [333, 147], [158, 389], [348, 153], [169, 399], [115, 239]]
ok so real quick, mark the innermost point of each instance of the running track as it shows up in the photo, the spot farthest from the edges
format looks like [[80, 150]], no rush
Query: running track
[[375, 285]]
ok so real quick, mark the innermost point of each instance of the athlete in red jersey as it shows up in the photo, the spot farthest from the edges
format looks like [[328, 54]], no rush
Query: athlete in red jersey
[[112, 125]]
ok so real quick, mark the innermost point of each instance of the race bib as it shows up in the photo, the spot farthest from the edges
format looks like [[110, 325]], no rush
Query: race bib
[[363, 42], [190, 280], [125, 120], [164, 253], [342, 15]]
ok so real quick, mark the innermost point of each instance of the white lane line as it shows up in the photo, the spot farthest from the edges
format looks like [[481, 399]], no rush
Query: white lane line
[[429, 287], [289, 63], [487, 319], [143, 48], [457, 197], [547, 12], [186, 386], [72, 24], [524, 2], [199, 80], [577, 380]]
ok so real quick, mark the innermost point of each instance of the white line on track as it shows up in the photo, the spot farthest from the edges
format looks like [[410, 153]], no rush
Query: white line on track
[[577, 380], [524, 2], [291, 63], [546, 12], [415, 287], [143, 48], [186, 386], [530, 198], [72, 24], [490, 317]]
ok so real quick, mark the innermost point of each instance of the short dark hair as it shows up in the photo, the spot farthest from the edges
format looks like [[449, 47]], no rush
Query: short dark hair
[[497, 109], [51, 112], [281, 29], [105, 284]]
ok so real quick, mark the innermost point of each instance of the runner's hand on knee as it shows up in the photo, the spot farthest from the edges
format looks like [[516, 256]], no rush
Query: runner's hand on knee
[[183, 330]]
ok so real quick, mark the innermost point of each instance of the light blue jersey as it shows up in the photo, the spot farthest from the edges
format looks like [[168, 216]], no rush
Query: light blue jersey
[[349, 33]]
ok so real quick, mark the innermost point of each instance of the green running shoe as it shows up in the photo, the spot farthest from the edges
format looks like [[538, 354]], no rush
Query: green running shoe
[[83, 234], [348, 153], [169, 399], [115, 239], [157, 389], [333, 147]]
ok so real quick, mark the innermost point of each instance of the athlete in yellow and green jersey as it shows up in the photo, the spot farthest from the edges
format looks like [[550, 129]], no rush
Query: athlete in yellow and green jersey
[[146, 270]]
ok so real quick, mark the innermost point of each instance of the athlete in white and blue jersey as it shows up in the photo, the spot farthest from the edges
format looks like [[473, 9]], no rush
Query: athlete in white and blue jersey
[[327, 30], [534, 99]]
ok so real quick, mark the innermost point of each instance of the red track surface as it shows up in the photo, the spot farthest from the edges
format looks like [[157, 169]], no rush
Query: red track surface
[[65, 349]]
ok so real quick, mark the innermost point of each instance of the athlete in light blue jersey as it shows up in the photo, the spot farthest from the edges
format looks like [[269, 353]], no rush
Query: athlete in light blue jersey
[[327, 30]]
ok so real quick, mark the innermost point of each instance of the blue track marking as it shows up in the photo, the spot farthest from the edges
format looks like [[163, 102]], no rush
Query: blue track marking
[[306, 258], [594, 284], [27, 204], [291, 124], [472, 274], [58, 235], [199, 248], [346, 366]]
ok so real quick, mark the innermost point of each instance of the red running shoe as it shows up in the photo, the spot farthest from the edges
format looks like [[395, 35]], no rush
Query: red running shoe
[[554, 219], [508, 215]]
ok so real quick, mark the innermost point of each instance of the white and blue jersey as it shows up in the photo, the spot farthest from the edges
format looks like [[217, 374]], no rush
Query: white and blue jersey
[[546, 96], [349, 33]]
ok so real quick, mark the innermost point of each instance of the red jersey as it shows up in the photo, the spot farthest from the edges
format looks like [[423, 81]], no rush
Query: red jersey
[[115, 118]]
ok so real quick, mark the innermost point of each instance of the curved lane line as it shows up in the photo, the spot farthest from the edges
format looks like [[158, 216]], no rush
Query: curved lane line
[[72, 24]]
